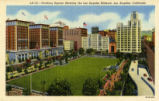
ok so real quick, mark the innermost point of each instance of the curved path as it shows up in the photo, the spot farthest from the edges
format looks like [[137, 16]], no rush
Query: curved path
[[144, 86]]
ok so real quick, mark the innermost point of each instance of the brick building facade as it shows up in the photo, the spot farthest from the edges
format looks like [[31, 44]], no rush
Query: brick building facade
[[112, 47], [150, 58], [56, 36], [39, 36], [112, 39], [17, 33], [76, 35], [25, 39], [111, 34]]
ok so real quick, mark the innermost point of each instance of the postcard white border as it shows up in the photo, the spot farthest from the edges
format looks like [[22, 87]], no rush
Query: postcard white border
[[3, 97]]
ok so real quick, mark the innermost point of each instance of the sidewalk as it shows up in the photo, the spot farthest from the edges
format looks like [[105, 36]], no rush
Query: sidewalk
[[139, 76]]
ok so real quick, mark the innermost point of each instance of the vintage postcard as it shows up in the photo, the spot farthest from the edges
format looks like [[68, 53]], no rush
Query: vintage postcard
[[79, 50]]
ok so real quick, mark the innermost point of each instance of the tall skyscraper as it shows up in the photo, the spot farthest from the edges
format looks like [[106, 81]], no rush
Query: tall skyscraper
[[129, 36]]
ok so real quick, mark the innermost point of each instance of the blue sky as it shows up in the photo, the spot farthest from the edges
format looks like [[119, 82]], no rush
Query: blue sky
[[106, 17]]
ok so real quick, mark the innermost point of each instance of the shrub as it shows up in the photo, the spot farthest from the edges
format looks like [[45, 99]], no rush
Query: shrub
[[35, 66], [62, 87], [26, 71], [118, 85], [10, 69], [26, 91], [8, 88], [100, 83], [19, 69], [90, 87], [89, 51], [81, 51]]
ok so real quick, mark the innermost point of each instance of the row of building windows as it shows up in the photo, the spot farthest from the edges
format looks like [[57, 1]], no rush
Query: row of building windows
[[11, 23], [71, 32], [35, 26], [53, 29]]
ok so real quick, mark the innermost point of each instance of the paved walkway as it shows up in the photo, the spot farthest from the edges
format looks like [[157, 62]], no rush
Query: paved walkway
[[140, 77], [109, 84]]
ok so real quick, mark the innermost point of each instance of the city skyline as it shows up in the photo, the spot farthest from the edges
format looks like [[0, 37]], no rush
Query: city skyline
[[33, 48], [76, 18]]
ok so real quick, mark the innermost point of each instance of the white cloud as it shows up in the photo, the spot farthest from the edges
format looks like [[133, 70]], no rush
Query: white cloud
[[90, 19], [109, 19], [149, 23], [37, 18]]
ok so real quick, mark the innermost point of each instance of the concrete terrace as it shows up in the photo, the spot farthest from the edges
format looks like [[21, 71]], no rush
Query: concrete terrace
[[140, 76]]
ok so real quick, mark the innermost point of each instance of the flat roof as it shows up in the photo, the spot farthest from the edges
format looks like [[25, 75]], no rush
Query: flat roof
[[39, 24], [19, 21]]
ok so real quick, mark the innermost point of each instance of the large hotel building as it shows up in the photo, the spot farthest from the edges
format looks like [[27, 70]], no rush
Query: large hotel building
[[129, 36], [17, 35], [56, 36], [39, 36], [26, 39]]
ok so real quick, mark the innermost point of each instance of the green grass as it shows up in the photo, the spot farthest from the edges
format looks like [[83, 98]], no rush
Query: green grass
[[76, 72]]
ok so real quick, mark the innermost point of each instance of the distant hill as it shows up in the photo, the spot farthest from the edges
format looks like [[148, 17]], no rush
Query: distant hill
[[146, 33]]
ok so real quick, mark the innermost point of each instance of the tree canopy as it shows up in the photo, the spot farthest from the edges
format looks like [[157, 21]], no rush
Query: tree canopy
[[62, 87], [90, 87]]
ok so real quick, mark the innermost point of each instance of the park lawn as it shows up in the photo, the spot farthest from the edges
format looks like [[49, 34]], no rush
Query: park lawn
[[75, 72]]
